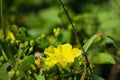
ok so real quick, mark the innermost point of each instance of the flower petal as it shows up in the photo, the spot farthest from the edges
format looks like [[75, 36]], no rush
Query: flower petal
[[49, 51], [76, 52]]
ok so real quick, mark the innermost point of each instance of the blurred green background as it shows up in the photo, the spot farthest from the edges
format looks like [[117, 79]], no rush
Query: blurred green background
[[41, 16]]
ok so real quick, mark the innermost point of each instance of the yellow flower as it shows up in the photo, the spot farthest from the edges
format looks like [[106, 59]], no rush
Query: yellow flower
[[62, 55], [10, 34]]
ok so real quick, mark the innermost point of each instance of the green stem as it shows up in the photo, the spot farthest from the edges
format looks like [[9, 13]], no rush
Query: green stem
[[84, 72], [3, 27], [19, 54], [60, 68], [77, 35], [4, 45], [2, 21], [3, 53]]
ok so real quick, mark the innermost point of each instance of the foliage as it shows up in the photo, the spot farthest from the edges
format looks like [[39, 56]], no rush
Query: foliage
[[36, 34]]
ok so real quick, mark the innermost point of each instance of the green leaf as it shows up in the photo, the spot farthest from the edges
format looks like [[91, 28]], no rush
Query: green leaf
[[26, 43], [103, 58], [75, 78], [90, 41], [25, 65], [3, 71], [40, 77], [98, 78], [109, 24], [116, 42], [66, 35], [8, 52]]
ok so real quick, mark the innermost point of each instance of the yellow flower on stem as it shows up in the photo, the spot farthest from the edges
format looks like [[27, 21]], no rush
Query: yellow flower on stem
[[62, 55]]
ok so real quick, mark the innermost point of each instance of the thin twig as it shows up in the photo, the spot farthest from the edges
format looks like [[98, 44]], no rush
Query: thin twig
[[2, 21], [77, 35], [84, 72]]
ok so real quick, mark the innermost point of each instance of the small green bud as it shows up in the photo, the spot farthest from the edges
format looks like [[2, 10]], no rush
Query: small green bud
[[17, 41], [29, 72], [32, 43], [11, 73], [26, 43], [35, 74], [69, 27], [2, 58], [12, 41], [30, 49], [56, 31], [17, 73], [20, 61], [42, 35], [98, 39], [8, 39], [33, 67]]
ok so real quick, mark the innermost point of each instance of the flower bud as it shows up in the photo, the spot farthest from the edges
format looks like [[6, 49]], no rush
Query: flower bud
[[30, 49], [2, 58], [56, 32], [32, 43], [29, 72], [33, 67], [11, 73], [17, 73]]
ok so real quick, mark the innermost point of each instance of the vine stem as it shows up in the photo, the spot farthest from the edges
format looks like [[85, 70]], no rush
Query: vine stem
[[2, 21], [77, 35], [7, 51]]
